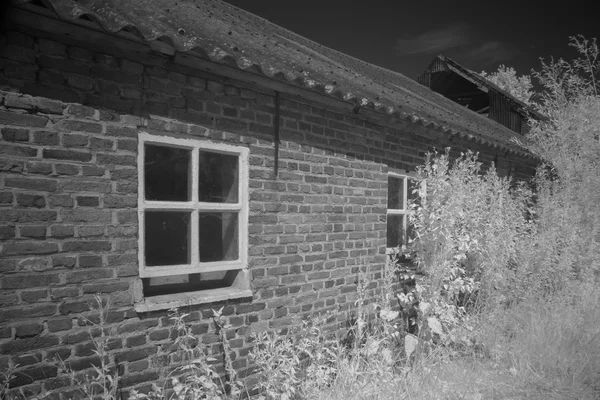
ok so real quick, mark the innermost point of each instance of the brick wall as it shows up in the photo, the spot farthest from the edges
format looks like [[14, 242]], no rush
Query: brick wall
[[69, 120]]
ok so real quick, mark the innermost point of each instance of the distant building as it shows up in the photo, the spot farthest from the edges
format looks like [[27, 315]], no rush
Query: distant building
[[470, 89]]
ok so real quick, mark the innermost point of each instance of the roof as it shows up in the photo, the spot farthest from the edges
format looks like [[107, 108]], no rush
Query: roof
[[226, 34], [483, 83]]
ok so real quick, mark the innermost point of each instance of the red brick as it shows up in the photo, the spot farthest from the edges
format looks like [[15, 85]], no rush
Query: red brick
[[29, 247], [104, 159], [80, 185], [82, 363], [62, 231], [86, 349], [101, 144], [63, 64], [25, 312], [74, 307], [135, 354], [7, 232], [86, 215], [27, 359], [33, 374], [91, 230], [51, 91], [29, 281], [79, 111], [11, 165], [134, 379], [121, 131], [27, 215], [28, 330], [45, 138], [75, 140], [92, 171], [137, 326], [57, 325], [51, 47], [90, 261], [61, 200], [88, 275], [31, 200], [48, 106], [80, 82], [67, 155], [8, 299], [51, 77], [86, 245], [17, 151], [38, 232], [78, 53], [15, 135], [11, 118], [65, 292], [39, 168], [67, 169]]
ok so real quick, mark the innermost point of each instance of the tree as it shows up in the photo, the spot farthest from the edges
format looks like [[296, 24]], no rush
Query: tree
[[506, 79], [568, 141]]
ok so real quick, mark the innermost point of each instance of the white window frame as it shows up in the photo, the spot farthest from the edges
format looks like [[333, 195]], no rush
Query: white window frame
[[194, 206], [395, 211]]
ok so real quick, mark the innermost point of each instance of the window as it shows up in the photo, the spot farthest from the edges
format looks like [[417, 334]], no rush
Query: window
[[193, 221], [400, 192]]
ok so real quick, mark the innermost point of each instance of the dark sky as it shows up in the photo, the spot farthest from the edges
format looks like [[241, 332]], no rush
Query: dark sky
[[405, 35]]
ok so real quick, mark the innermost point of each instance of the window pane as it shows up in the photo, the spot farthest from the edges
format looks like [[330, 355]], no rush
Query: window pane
[[166, 238], [395, 193], [395, 231], [218, 178], [218, 236], [166, 173]]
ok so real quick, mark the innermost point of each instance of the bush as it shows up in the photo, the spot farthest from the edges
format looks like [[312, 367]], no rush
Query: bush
[[469, 226]]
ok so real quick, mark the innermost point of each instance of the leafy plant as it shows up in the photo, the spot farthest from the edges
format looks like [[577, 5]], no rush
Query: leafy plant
[[506, 78], [278, 363], [103, 381], [195, 378], [5, 378]]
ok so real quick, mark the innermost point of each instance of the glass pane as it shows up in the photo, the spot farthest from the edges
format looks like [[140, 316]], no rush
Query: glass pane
[[395, 193], [395, 231], [218, 236], [166, 173], [218, 178], [166, 238]]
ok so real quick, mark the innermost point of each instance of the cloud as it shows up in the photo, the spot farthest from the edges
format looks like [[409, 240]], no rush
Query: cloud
[[488, 52], [460, 42], [435, 41]]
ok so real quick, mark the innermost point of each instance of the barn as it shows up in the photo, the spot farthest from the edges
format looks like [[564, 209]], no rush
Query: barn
[[189, 154]]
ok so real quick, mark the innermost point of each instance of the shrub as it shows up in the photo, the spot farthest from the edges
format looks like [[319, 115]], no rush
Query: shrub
[[468, 226]]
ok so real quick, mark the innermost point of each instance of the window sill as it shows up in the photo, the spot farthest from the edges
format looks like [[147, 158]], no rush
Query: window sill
[[169, 301]]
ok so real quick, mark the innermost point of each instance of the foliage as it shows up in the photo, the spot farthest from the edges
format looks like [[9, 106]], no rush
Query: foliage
[[565, 83], [468, 227], [568, 185], [506, 78], [5, 378], [102, 382], [296, 364], [196, 377]]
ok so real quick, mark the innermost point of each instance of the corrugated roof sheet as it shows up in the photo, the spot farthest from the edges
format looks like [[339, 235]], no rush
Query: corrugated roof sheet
[[227, 34]]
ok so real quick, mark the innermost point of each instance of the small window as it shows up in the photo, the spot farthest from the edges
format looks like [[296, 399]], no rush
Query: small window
[[400, 193], [193, 221]]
